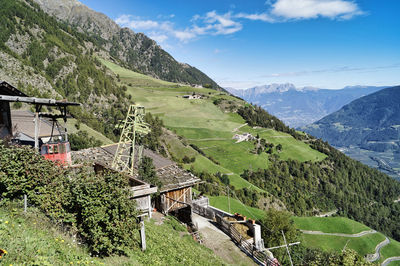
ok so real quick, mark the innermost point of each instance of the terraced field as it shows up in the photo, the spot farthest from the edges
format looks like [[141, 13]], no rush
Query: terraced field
[[364, 245], [207, 126]]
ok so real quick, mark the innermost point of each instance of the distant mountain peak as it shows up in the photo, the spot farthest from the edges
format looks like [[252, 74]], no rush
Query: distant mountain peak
[[137, 51], [274, 87]]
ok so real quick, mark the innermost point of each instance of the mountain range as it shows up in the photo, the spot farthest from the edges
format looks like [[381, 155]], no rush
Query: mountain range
[[301, 106], [135, 51], [367, 128]]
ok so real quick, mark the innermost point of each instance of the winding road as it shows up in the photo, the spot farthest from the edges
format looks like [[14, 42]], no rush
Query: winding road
[[363, 233], [369, 257], [377, 255], [389, 260]]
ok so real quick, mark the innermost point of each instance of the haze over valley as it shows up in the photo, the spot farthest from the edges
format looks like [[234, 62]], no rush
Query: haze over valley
[[216, 133]]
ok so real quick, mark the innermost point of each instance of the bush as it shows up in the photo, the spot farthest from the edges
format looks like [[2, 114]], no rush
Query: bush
[[98, 206], [81, 140], [106, 218]]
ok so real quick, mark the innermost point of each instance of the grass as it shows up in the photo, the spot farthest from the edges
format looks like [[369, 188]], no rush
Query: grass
[[136, 79], [30, 239], [362, 245], [204, 124], [391, 250], [330, 225], [91, 132], [221, 202]]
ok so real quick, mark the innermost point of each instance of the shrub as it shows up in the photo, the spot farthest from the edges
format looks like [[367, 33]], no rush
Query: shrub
[[106, 217], [81, 140], [98, 206]]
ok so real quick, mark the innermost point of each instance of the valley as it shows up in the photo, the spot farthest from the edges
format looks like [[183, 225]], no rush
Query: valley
[[243, 158]]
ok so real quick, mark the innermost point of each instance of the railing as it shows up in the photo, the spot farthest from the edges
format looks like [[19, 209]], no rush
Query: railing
[[247, 247], [203, 211]]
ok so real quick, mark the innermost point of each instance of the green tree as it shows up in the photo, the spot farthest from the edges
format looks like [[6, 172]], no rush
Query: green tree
[[147, 172]]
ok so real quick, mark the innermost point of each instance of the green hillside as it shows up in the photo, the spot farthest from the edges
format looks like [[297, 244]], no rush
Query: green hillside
[[330, 224], [31, 239], [363, 245], [202, 123]]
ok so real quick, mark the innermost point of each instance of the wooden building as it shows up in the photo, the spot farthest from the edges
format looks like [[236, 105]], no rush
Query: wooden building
[[140, 191], [6, 127], [176, 189], [177, 183]]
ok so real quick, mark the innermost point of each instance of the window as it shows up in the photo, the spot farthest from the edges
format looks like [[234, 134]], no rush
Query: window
[[44, 150], [62, 148], [50, 149], [55, 149]]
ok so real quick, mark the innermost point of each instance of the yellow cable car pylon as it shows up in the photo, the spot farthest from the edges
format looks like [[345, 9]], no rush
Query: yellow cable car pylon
[[134, 124]]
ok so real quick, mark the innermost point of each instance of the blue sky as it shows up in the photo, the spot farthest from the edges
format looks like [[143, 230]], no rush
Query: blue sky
[[321, 43]]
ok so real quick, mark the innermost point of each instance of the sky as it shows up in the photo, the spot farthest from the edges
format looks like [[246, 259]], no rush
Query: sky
[[241, 44]]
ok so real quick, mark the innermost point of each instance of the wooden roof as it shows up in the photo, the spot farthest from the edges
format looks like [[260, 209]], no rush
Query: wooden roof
[[170, 174]]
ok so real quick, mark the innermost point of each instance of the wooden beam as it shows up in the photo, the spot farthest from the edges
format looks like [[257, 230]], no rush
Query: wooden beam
[[178, 200]]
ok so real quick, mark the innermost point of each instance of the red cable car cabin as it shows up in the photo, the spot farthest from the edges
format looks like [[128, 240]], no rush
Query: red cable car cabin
[[57, 151]]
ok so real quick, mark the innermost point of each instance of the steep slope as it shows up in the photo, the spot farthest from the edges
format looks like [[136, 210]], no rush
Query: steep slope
[[135, 50], [276, 167], [31, 238], [371, 123], [301, 106], [45, 58]]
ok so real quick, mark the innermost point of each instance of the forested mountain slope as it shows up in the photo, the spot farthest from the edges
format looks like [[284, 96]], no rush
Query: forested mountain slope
[[135, 50], [371, 123]]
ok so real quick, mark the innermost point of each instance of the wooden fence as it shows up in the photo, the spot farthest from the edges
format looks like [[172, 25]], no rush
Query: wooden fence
[[247, 247], [260, 257]]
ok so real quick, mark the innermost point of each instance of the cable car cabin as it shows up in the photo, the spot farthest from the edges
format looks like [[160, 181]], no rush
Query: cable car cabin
[[57, 151]]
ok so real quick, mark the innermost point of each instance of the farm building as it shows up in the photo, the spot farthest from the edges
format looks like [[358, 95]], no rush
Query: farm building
[[177, 183], [24, 126], [192, 96]]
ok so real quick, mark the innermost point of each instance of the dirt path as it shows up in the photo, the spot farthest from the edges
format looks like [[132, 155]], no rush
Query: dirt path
[[363, 233], [236, 129], [389, 260], [377, 255], [220, 243]]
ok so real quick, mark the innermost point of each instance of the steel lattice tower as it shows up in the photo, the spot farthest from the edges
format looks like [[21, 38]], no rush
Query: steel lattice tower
[[133, 127]]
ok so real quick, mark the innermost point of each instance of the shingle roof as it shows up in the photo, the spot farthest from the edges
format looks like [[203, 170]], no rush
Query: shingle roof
[[170, 174]]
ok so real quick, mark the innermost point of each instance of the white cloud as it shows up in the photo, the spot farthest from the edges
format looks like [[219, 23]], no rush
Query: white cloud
[[136, 23], [214, 23], [308, 9], [211, 23], [158, 37], [257, 16]]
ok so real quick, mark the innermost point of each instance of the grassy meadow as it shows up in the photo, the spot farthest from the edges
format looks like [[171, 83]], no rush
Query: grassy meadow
[[31, 239], [363, 245], [202, 123], [330, 225]]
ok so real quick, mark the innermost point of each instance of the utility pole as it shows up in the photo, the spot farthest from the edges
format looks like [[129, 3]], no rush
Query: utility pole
[[229, 200], [287, 248], [37, 130], [142, 234]]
